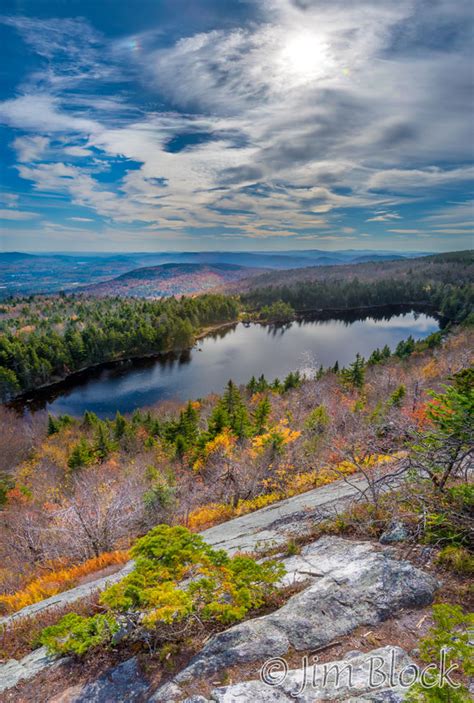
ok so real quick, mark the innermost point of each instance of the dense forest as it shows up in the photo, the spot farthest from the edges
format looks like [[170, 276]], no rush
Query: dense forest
[[46, 338], [454, 302], [451, 268], [444, 281]]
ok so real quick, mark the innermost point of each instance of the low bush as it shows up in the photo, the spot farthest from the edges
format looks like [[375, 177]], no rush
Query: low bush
[[76, 634], [179, 584], [456, 559], [58, 580], [449, 638]]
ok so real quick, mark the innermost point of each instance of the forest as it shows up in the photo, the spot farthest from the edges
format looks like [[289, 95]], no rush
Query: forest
[[43, 339], [452, 300], [46, 338]]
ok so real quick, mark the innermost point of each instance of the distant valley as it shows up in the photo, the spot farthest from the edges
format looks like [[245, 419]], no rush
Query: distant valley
[[28, 274]]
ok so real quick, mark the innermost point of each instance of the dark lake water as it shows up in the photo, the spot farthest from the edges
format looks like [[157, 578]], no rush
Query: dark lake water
[[238, 353]]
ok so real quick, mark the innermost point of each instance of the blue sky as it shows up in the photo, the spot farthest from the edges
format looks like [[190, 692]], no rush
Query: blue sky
[[236, 124]]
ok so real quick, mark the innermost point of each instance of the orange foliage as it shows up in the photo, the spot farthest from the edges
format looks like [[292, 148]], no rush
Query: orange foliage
[[56, 581], [15, 496]]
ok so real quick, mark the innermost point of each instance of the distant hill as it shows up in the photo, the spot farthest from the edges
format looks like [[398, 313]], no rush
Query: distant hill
[[451, 267], [171, 279], [10, 256], [26, 274], [377, 257]]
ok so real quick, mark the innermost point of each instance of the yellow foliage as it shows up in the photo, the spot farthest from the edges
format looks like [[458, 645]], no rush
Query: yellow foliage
[[279, 436], [285, 485], [251, 504], [210, 514], [223, 443], [56, 581], [431, 370]]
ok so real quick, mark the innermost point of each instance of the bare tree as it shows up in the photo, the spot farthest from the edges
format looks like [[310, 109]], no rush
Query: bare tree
[[100, 513]]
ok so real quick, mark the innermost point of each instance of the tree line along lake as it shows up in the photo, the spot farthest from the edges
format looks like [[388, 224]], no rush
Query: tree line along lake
[[238, 352]]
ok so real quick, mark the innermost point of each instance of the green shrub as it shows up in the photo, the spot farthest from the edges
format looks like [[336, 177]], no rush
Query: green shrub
[[76, 634], [449, 521], [456, 559], [450, 634], [178, 580]]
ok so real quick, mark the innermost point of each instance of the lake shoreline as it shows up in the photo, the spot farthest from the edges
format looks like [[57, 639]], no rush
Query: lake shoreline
[[22, 401], [27, 395]]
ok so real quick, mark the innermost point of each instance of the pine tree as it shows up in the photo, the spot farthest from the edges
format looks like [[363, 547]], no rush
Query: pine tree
[[102, 445], [262, 384], [252, 385], [90, 419], [218, 420], [397, 396], [120, 425], [53, 425], [80, 456], [261, 415], [355, 373]]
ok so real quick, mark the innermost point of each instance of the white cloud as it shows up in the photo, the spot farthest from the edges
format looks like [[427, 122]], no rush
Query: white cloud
[[42, 113], [414, 179], [77, 151], [17, 215], [30, 148], [384, 217], [318, 108], [406, 231]]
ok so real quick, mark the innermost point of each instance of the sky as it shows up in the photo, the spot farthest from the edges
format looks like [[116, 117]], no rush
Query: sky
[[192, 125]]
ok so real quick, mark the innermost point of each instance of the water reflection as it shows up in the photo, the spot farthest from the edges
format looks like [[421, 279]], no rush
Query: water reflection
[[236, 352]]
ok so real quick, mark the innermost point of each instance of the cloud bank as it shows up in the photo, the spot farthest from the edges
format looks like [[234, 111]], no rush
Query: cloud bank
[[313, 123]]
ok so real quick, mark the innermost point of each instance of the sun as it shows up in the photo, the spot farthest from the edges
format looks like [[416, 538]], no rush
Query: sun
[[305, 57]]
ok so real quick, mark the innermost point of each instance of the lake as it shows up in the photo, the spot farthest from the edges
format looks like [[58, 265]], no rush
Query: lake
[[236, 352]]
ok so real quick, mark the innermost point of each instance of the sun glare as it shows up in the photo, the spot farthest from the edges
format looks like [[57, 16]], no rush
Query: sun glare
[[305, 56]]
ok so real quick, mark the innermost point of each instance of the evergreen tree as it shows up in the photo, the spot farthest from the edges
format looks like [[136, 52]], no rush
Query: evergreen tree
[[397, 396], [90, 419], [252, 385], [405, 348], [120, 425], [355, 373], [218, 420], [262, 384], [80, 456], [261, 415], [9, 384], [53, 425], [102, 443], [293, 380]]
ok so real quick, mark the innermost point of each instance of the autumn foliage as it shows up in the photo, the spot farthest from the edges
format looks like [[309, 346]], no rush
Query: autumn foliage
[[54, 582]]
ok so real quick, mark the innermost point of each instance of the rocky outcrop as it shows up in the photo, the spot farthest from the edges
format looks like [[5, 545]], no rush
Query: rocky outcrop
[[124, 682], [14, 671], [377, 676], [269, 526], [351, 584]]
